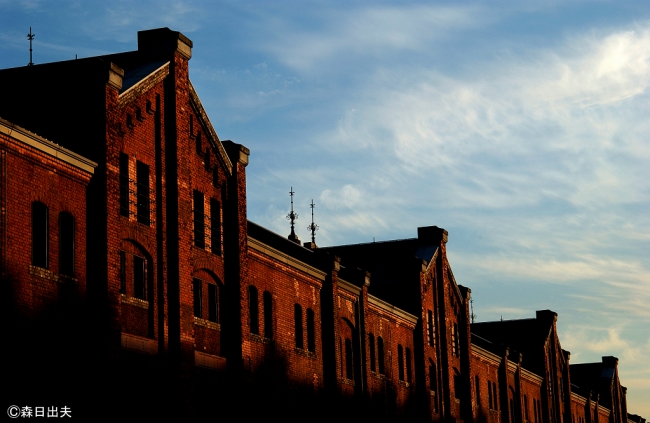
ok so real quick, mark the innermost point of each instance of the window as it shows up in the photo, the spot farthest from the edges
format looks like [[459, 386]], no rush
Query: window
[[208, 160], [215, 176], [199, 220], [66, 247], [371, 347], [197, 288], [253, 310], [432, 376], [495, 398], [213, 303], [124, 185], [122, 272], [380, 355], [433, 384], [400, 362], [535, 409], [40, 235], [526, 407], [348, 360], [490, 399], [142, 193], [297, 317], [455, 344], [215, 226], [139, 277], [457, 385], [430, 337], [408, 365], [311, 338], [268, 315], [199, 143], [477, 387]]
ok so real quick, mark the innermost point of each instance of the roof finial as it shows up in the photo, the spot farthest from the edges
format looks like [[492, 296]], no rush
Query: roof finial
[[471, 305], [30, 37], [313, 227], [293, 216]]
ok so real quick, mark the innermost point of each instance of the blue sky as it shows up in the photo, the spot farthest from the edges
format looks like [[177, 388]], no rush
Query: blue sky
[[520, 127]]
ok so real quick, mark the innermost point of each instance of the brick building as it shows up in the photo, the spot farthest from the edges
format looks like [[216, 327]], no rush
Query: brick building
[[183, 307]]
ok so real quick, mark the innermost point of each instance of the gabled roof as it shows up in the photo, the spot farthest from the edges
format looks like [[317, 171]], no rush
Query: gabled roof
[[526, 336], [394, 267], [596, 377]]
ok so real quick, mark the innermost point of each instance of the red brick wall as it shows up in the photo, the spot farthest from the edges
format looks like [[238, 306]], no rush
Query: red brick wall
[[29, 175]]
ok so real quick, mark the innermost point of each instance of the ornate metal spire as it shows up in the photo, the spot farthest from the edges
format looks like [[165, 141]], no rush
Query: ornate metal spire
[[313, 227], [30, 37], [293, 216]]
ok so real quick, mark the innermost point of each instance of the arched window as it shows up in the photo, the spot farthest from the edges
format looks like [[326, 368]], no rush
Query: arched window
[[400, 362], [253, 310], [311, 337], [197, 293], [268, 315], [40, 235], [408, 365], [213, 302], [297, 317], [371, 347], [348, 359], [133, 272], [66, 247], [380, 355]]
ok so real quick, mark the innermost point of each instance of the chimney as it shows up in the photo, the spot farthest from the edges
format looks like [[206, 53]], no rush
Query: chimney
[[162, 41], [432, 235]]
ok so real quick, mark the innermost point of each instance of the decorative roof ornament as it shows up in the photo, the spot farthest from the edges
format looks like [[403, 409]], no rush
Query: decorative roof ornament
[[312, 227], [293, 216], [30, 37]]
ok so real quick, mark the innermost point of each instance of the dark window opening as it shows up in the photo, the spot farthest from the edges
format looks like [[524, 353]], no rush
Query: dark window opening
[[39, 235], [122, 272], [213, 303], [408, 365], [495, 398], [124, 185], [197, 289], [253, 310], [311, 336], [380, 355], [477, 387], [199, 143], [430, 327], [199, 220], [457, 386], [142, 193], [66, 249], [490, 400], [215, 176], [215, 226], [139, 277], [268, 315], [297, 317], [400, 362], [208, 160], [432, 376], [348, 360], [525, 407], [371, 347]]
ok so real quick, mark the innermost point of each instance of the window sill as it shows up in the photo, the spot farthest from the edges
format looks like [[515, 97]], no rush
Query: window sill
[[305, 353], [137, 302], [404, 384], [347, 381], [206, 323], [378, 375], [256, 338], [41, 272], [139, 344]]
